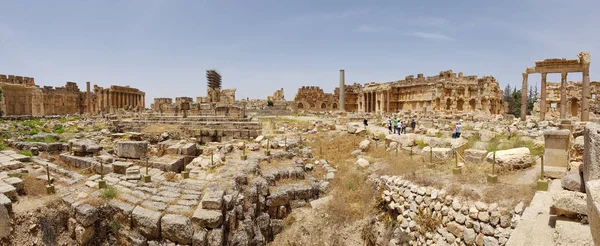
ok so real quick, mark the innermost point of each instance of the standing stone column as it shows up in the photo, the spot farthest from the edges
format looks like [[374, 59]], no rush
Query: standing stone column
[[524, 97], [342, 90], [368, 104], [543, 99], [563, 95], [88, 99], [585, 90], [110, 102], [388, 101]]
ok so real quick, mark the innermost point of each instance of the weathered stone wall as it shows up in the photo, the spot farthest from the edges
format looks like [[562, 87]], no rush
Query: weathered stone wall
[[23, 97], [448, 92], [591, 177], [63, 100], [574, 95], [460, 221]]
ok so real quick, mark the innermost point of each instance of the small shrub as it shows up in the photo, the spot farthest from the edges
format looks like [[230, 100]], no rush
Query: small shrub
[[270, 103], [109, 193], [420, 143], [426, 221], [26, 152], [439, 135], [170, 176], [58, 129]]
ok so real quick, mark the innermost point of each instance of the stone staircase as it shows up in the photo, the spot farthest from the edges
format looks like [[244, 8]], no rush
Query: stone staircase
[[538, 227]]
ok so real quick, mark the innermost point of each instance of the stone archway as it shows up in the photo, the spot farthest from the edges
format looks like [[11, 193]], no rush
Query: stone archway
[[459, 104], [574, 107], [472, 103], [437, 104], [448, 104], [484, 104], [300, 106], [323, 106], [334, 106]]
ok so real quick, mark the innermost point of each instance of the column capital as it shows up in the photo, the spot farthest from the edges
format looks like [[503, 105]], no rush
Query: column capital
[[525, 75], [544, 76]]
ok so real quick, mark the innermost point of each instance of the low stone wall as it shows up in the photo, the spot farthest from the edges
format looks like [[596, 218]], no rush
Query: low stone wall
[[458, 220]]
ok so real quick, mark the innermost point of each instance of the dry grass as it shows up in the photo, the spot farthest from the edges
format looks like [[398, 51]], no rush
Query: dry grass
[[160, 128], [170, 176], [351, 192], [426, 221], [34, 186], [513, 194]]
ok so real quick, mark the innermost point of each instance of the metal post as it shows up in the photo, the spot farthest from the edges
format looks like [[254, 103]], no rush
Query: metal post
[[543, 176], [147, 166], [494, 164], [48, 172], [430, 155], [211, 158]]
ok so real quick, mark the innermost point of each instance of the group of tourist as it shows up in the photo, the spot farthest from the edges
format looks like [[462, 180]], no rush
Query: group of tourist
[[456, 129], [396, 126]]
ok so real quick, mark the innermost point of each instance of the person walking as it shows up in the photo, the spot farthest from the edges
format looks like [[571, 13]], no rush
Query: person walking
[[365, 122], [396, 126], [508, 131], [404, 127], [413, 124], [389, 123], [458, 129], [453, 130]]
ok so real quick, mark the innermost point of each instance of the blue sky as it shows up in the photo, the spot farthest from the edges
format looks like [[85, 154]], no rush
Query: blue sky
[[165, 47]]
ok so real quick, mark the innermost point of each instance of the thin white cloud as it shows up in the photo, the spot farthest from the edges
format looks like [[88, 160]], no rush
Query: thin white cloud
[[431, 36], [321, 17], [369, 29]]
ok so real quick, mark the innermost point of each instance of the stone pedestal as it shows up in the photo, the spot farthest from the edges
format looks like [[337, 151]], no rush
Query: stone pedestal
[[147, 178], [566, 124], [244, 157], [102, 184], [50, 189], [185, 174], [556, 147], [542, 185], [492, 179]]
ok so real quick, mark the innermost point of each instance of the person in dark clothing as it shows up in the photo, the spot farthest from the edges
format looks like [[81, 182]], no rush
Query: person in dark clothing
[[390, 125], [413, 124], [366, 122]]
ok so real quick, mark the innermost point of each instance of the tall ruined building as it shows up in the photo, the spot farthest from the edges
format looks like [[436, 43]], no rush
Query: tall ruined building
[[214, 79]]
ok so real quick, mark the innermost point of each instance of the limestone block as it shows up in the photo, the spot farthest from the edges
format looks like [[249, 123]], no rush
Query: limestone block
[[364, 145], [147, 222], [83, 234], [212, 199], [86, 214], [516, 158], [573, 181], [474, 156], [5, 224], [404, 140], [569, 203], [120, 167], [9, 191], [83, 146], [132, 149], [591, 159], [177, 228], [6, 202], [207, 218], [15, 182], [167, 163], [215, 237], [556, 147], [593, 208], [123, 212]]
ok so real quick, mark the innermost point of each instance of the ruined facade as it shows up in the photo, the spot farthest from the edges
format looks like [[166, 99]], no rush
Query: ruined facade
[[447, 92], [573, 107], [23, 97], [277, 96], [562, 66], [218, 102]]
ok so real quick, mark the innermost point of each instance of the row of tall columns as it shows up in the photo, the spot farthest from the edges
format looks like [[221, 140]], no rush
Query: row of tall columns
[[119, 100], [585, 97]]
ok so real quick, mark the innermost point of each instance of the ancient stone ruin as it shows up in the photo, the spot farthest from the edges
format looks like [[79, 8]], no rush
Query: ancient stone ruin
[[446, 93], [21, 96]]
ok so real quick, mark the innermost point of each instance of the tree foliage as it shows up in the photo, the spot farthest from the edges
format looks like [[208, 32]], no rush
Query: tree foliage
[[514, 99]]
